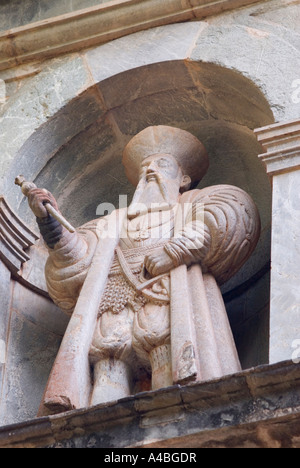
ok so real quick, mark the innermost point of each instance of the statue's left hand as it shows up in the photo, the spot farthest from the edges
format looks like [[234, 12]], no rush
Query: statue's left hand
[[158, 263]]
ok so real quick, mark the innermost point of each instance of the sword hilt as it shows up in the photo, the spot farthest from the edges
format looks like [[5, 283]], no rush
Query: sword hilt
[[27, 186]]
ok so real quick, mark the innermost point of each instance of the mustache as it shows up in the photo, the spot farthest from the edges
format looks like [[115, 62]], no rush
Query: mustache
[[155, 176]]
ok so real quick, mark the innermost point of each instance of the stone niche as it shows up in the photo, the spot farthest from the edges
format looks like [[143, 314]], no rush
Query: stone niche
[[77, 155]]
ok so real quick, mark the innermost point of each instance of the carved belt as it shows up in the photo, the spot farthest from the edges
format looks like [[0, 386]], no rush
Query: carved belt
[[127, 283]]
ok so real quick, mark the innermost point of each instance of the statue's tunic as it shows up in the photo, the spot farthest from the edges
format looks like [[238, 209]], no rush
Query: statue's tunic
[[212, 231]]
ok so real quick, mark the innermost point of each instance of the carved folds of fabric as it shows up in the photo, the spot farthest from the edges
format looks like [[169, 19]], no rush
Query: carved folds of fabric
[[67, 267], [231, 230]]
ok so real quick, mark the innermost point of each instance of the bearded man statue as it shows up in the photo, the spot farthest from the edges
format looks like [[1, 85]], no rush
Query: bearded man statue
[[142, 284]]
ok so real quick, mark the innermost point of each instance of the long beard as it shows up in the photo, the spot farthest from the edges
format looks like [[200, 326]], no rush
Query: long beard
[[152, 195]]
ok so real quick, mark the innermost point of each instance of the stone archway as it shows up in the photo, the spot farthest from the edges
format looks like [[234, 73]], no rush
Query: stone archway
[[77, 153], [195, 68], [84, 140]]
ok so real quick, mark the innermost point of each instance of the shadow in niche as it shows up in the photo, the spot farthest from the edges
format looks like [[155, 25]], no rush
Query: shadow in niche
[[77, 156]]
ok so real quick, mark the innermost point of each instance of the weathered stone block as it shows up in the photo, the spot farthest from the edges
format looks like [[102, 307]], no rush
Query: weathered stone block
[[20, 12], [167, 108], [257, 408], [143, 48], [30, 353], [39, 98], [145, 82], [258, 45]]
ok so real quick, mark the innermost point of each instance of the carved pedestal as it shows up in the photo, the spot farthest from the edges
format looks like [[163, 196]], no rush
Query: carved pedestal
[[257, 408]]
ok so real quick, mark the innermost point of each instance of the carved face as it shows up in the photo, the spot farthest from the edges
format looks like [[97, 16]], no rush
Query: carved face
[[161, 177], [161, 181], [164, 165]]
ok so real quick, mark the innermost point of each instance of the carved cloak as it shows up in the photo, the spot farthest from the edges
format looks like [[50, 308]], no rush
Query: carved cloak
[[201, 340]]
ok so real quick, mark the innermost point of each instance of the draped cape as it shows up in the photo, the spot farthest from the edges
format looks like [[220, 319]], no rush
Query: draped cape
[[227, 226]]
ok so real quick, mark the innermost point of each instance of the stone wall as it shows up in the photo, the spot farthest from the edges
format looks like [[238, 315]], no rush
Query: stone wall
[[14, 13], [64, 121], [34, 332]]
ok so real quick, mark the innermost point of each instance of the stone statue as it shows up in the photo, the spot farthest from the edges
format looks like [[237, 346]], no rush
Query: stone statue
[[142, 284]]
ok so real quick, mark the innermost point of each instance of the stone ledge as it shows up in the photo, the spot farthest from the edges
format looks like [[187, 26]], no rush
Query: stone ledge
[[259, 407], [96, 25], [281, 142]]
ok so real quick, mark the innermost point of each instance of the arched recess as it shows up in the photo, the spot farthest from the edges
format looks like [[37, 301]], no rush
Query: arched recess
[[77, 155]]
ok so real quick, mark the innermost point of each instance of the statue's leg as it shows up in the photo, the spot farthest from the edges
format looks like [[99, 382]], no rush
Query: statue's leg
[[110, 355], [112, 379], [151, 342]]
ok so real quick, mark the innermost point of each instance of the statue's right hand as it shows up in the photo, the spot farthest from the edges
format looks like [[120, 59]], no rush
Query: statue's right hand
[[37, 199]]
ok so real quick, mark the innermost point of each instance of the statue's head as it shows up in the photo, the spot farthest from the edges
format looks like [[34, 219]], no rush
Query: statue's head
[[165, 153]]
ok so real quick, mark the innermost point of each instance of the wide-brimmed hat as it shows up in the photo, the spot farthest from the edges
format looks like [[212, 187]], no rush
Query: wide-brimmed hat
[[182, 145]]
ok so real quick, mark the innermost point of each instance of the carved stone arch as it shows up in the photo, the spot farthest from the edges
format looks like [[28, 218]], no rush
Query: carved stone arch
[[90, 131], [77, 153]]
